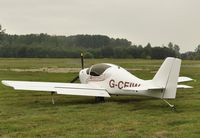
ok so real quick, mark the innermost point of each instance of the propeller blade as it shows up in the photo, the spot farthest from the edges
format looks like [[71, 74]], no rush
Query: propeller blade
[[82, 66], [82, 61], [75, 79]]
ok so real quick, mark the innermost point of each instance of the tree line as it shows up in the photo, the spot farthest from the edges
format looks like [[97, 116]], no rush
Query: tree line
[[93, 46]]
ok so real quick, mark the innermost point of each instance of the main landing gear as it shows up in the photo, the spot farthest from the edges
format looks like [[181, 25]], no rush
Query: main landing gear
[[99, 99], [52, 99]]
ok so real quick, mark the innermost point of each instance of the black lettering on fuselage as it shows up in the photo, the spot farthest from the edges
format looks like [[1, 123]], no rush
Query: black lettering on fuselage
[[122, 84]]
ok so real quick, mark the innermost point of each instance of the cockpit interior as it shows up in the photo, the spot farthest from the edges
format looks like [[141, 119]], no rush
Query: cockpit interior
[[97, 69]]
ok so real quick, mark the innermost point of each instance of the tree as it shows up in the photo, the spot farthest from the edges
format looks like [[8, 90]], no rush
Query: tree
[[95, 46], [188, 55], [2, 31], [197, 50], [0, 28], [170, 45], [161, 53], [176, 48], [147, 51]]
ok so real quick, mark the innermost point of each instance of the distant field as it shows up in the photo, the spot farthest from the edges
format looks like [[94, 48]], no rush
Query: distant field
[[31, 114]]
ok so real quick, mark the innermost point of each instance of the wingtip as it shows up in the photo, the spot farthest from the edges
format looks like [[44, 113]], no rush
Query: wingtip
[[4, 82]]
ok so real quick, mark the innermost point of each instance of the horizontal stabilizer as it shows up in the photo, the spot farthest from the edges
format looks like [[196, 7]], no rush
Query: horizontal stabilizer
[[184, 79], [143, 88], [135, 89], [184, 87]]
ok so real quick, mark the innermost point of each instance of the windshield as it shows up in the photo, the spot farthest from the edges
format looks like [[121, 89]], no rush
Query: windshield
[[98, 69]]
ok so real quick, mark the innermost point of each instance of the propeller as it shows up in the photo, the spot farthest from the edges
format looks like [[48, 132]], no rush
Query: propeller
[[82, 67], [75, 79], [82, 62]]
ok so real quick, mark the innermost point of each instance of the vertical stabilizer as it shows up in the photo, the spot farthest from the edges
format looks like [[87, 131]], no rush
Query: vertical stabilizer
[[167, 77]]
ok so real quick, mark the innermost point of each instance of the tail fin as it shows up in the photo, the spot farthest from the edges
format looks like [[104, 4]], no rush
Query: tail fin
[[167, 77]]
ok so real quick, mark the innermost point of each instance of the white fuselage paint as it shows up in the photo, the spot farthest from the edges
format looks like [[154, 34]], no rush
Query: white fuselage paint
[[115, 78]]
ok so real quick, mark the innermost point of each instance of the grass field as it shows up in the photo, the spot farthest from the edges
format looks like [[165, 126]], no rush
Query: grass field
[[31, 114]]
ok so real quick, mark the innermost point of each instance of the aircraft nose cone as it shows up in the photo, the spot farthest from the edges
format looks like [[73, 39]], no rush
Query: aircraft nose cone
[[83, 75]]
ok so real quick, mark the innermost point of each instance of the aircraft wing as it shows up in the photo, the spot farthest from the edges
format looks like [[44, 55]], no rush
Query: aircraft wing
[[59, 88]]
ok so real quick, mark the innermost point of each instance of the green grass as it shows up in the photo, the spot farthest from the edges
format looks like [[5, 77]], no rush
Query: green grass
[[31, 114]]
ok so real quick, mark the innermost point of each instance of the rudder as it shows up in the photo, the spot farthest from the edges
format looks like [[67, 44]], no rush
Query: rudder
[[171, 87], [167, 77]]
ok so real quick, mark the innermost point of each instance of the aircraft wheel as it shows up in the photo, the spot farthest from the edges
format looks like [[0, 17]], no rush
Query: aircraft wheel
[[99, 99]]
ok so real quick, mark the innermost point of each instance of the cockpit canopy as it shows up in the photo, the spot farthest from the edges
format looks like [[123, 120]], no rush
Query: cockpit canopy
[[97, 69]]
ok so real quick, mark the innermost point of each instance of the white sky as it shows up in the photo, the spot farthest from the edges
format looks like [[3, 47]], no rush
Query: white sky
[[140, 21]]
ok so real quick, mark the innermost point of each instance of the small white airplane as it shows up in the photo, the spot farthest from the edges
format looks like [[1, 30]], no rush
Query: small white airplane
[[103, 80]]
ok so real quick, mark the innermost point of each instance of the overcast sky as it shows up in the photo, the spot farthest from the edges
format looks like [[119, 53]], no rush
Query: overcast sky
[[140, 21]]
